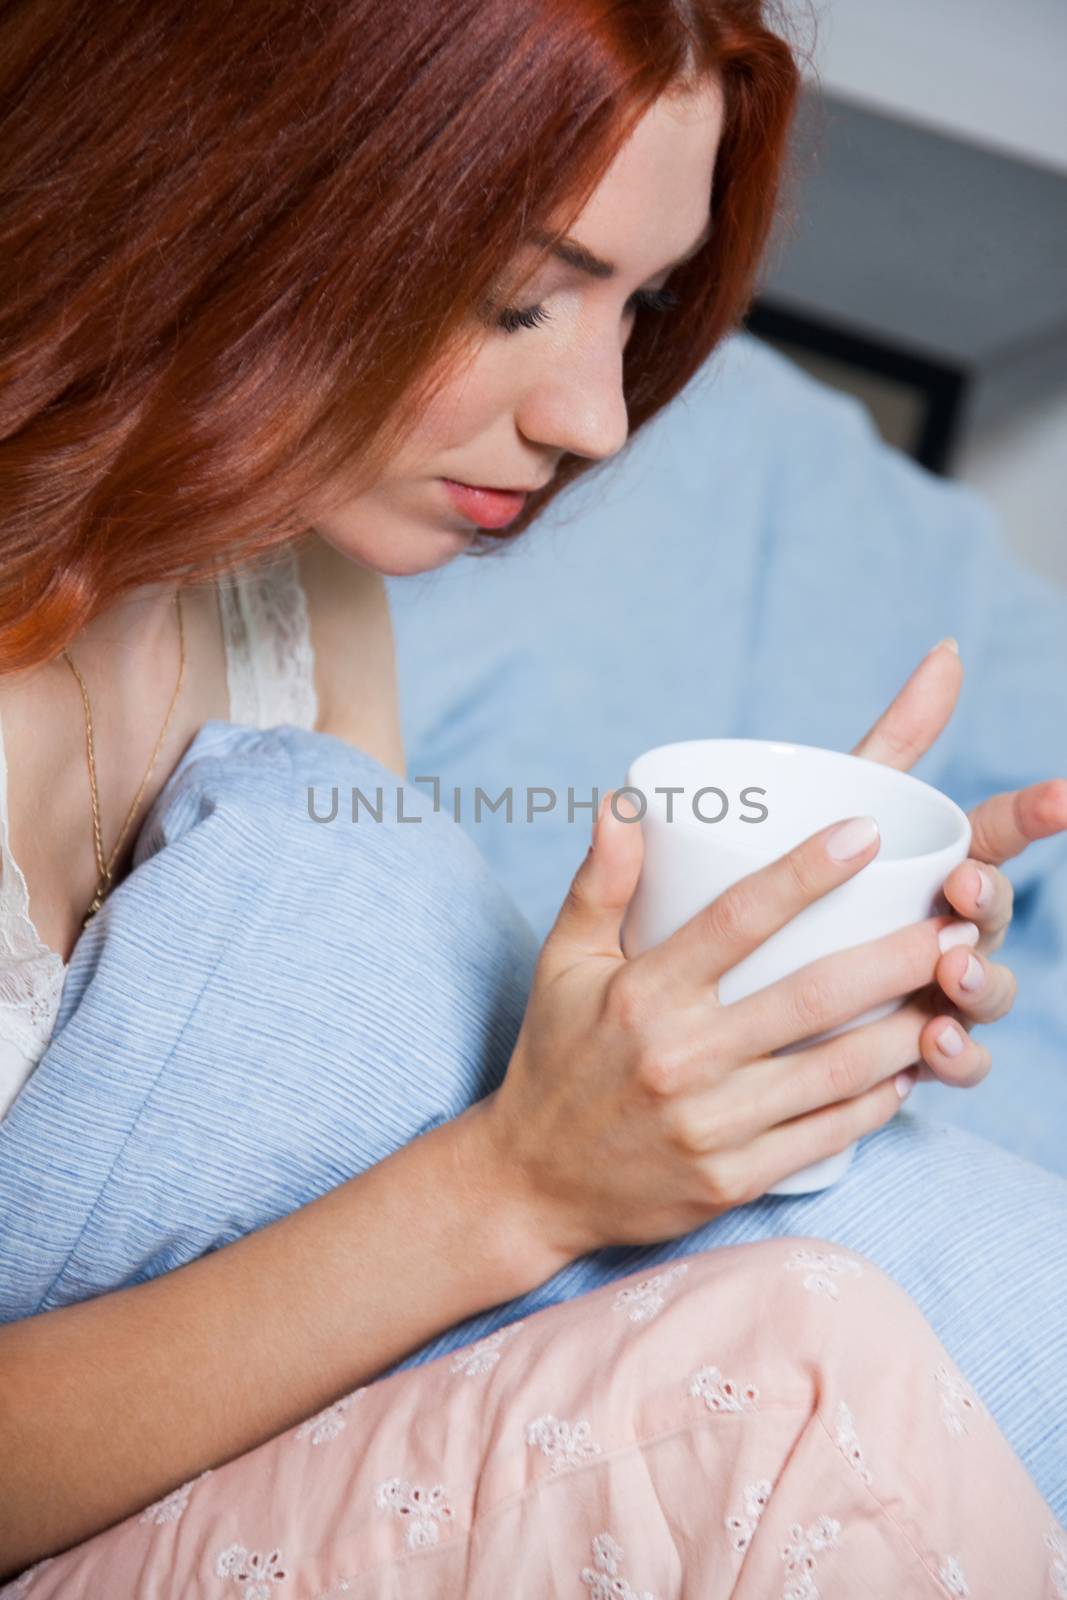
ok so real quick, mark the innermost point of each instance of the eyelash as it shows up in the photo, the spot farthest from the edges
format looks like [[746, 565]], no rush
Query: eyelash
[[512, 318]]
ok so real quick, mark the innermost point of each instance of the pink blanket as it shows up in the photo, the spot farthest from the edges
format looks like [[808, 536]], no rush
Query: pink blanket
[[761, 1421]]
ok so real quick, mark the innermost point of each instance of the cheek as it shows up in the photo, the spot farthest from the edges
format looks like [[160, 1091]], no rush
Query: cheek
[[467, 404]]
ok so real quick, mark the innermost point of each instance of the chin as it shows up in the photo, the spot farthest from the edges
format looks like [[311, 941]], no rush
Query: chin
[[395, 543]]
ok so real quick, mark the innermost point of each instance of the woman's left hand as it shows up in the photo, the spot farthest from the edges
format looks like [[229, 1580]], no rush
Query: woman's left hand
[[977, 990]]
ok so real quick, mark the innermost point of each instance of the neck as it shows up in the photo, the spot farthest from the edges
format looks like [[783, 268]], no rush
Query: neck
[[139, 623]]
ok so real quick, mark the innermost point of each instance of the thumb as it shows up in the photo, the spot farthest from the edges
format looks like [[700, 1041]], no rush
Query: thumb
[[590, 919]]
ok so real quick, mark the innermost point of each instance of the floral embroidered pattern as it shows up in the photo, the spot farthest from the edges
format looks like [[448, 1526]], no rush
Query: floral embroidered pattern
[[821, 1267], [643, 1300], [566, 1444], [1058, 1570], [799, 1556], [172, 1505], [719, 1393], [952, 1576], [424, 1509], [327, 1424], [742, 1525], [254, 1573], [606, 1582], [956, 1399], [484, 1354], [848, 1443]]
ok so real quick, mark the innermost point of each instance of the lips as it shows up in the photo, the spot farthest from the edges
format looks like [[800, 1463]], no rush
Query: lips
[[488, 508]]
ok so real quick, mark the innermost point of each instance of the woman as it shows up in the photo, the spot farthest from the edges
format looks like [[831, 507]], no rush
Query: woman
[[190, 461]]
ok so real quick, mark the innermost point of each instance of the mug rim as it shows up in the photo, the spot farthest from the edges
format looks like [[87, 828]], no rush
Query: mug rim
[[935, 796]]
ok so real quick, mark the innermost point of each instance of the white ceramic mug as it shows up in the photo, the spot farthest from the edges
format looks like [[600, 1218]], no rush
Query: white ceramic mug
[[745, 802]]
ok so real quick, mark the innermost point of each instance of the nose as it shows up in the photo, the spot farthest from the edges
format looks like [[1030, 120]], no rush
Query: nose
[[577, 405]]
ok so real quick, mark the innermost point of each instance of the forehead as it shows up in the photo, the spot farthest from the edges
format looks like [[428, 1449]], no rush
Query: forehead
[[656, 193]]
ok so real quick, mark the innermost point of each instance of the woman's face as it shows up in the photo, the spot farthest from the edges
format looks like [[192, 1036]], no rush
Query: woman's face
[[527, 397]]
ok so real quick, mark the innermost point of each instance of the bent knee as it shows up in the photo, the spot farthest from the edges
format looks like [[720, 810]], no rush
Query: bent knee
[[813, 1290]]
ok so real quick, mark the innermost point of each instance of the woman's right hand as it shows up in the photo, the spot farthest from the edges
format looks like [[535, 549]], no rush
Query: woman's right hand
[[637, 1106]]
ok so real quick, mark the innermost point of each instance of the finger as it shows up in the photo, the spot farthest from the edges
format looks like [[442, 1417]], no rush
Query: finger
[[983, 990], [912, 722], [737, 921], [950, 1055], [1003, 825], [831, 991], [748, 1171], [983, 894], [775, 1089], [590, 919]]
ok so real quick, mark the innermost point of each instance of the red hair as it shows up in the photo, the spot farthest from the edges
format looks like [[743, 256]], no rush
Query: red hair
[[235, 241]]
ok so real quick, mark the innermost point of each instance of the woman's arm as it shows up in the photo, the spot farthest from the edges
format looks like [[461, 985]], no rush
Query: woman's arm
[[106, 1405]]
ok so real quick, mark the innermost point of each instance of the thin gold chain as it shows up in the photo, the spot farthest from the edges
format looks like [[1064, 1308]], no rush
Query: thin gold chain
[[105, 868]]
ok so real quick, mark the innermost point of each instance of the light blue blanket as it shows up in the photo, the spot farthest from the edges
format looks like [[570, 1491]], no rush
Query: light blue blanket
[[270, 1004]]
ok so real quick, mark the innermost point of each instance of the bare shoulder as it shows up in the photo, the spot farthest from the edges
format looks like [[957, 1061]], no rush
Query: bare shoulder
[[355, 653]]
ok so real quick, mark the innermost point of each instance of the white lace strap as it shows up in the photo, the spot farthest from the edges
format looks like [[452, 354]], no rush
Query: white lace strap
[[31, 973], [270, 660]]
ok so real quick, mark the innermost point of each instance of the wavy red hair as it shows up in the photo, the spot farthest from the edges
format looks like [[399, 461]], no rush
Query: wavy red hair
[[236, 240]]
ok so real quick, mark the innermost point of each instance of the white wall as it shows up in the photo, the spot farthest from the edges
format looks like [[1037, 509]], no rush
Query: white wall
[[1022, 469], [991, 71]]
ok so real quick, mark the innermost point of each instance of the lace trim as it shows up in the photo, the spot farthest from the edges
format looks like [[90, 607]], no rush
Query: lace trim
[[270, 670], [270, 662], [31, 972]]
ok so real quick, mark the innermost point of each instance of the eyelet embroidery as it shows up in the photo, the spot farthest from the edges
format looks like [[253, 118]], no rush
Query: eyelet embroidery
[[848, 1443], [482, 1357], [956, 1398], [952, 1576], [821, 1264], [1058, 1568], [566, 1444], [255, 1572], [799, 1556], [644, 1300], [606, 1582], [172, 1506], [327, 1424], [425, 1509], [742, 1525], [719, 1393]]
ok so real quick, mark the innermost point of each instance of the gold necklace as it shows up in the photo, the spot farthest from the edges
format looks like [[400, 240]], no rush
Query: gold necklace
[[105, 868]]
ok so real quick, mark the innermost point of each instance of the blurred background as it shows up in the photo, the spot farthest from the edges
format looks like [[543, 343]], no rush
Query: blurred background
[[923, 263]]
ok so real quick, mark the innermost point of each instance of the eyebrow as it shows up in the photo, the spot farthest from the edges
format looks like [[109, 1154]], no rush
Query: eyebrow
[[578, 256]]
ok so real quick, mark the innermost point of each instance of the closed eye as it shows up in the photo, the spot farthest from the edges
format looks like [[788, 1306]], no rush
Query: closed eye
[[512, 318]]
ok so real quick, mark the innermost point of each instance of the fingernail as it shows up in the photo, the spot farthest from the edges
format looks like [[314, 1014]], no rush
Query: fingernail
[[985, 887], [625, 806], [958, 933], [974, 977], [851, 838], [905, 1083], [949, 1041], [952, 643]]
